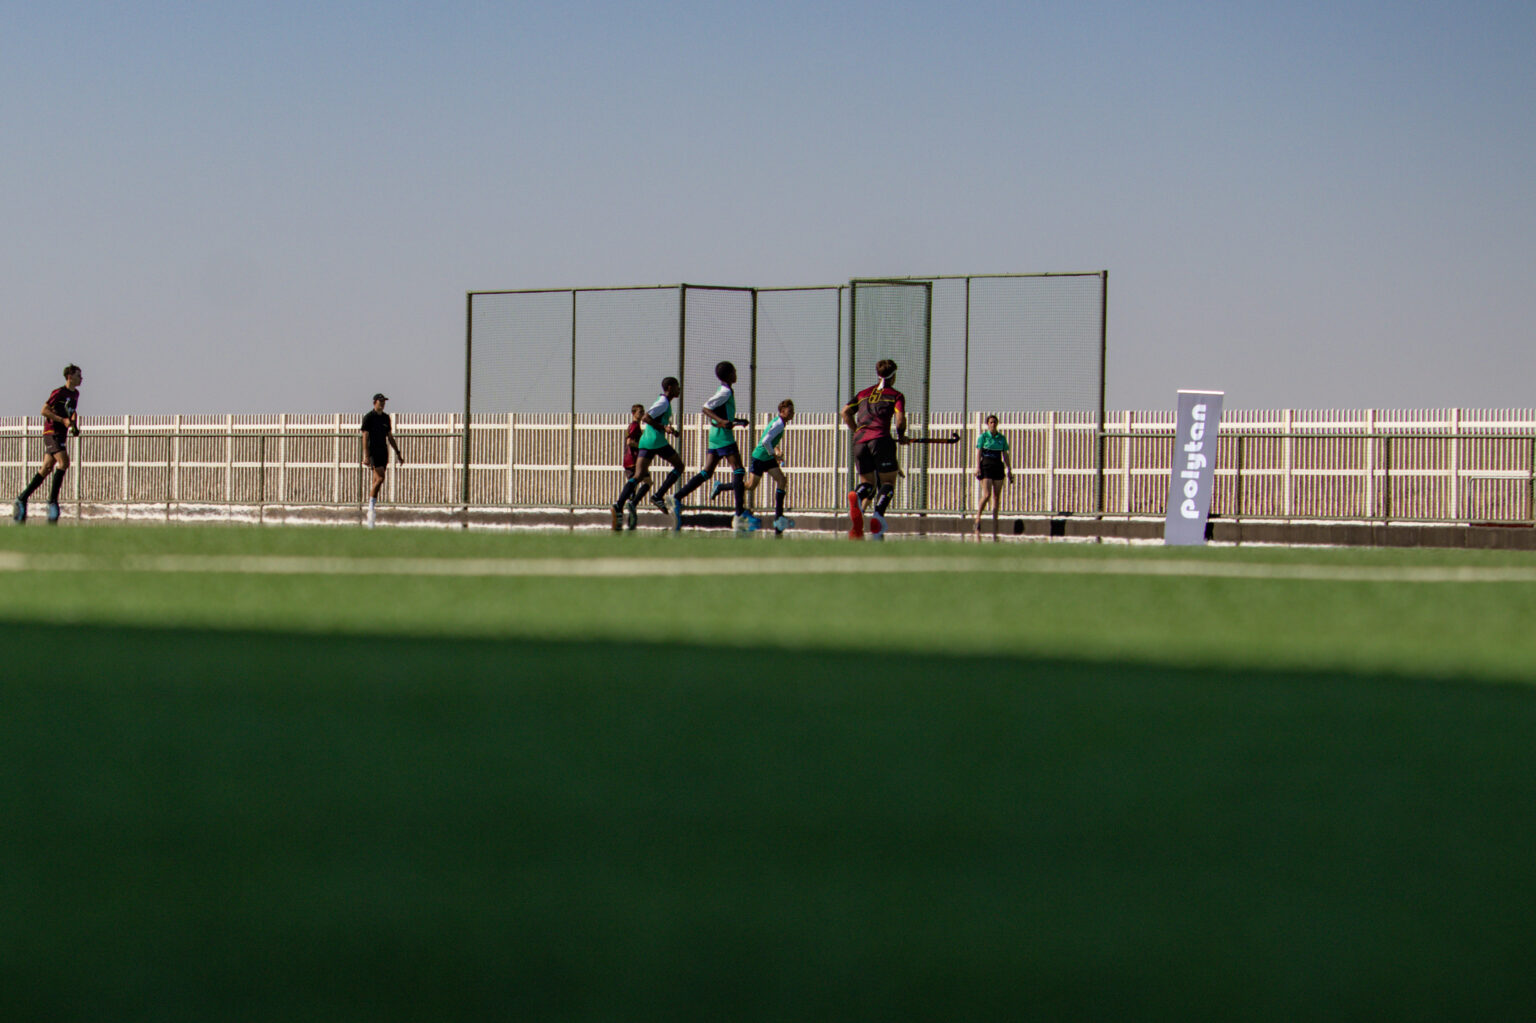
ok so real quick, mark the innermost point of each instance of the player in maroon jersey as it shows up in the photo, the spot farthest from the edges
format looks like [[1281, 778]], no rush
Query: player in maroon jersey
[[631, 457], [59, 413], [878, 418]]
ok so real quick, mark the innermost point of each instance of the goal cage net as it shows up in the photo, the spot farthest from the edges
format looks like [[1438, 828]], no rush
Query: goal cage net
[[551, 374]]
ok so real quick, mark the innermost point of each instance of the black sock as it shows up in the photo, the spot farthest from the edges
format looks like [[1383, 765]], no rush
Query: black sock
[[37, 481], [58, 482], [884, 500], [865, 491], [642, 490], [666, 484], [778, 504], [693, 484], [738, 484], [625, 494]]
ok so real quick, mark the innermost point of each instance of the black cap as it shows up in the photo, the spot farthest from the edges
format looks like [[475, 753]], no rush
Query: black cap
[[380, 397]]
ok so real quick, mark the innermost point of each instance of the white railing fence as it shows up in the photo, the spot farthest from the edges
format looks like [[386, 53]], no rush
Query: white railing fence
[[1429, 465]]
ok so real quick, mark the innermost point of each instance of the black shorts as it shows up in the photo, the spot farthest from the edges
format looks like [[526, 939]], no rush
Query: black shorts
[[55, 444], [878, 455], [661, 453], [990, 469], [378, 457], [763, 466]]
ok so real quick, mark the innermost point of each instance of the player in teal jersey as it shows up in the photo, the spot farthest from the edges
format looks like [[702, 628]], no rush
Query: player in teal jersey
[[765, 462], [720, 410], [653, 444], [992, 466]]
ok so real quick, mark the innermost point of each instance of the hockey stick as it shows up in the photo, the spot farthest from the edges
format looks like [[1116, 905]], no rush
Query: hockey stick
[[953, 438]]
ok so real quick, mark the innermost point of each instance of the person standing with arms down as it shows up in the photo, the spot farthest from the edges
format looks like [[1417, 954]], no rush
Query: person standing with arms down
[[379, 437], [61, 416], [878, 418], [992, 467]]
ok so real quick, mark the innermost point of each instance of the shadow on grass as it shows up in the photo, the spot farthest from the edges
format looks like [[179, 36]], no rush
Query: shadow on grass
[[201, 825]]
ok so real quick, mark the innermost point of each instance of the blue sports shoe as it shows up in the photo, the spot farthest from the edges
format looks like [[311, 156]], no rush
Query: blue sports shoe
[[782, 523], [752, 522], [714, 491], [19, 511], [53, 512]]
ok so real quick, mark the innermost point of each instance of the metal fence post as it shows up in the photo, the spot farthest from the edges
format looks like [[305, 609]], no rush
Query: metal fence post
[[570, 481], [1050, 463], [175, 455], [1386, 481], [1453, 463], [1530, 490], [1237, 496], [127, 456]]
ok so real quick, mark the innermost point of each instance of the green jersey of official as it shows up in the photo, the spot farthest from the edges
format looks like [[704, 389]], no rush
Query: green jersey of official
[[652, 439], [723, 404], [991, 445]]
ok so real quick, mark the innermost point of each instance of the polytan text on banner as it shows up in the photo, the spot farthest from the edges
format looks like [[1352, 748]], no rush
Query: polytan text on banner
[[1193, 473]]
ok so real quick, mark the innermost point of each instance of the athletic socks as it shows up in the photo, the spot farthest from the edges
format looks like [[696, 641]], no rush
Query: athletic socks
[[865, 491], [883, 501], [627, 494], [692, 485], [37, 481], [666, 484], [778, 504], [58, 483], [645, 487], [738, 484]]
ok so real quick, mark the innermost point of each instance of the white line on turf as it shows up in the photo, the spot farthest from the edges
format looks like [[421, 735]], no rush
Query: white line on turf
[[655, 567]]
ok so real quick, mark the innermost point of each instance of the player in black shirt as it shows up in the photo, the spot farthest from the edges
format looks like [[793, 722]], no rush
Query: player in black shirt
[[378, 438], [61, 420]]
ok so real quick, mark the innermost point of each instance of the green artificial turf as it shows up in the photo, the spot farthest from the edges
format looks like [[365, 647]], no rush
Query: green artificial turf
[[856, 796]]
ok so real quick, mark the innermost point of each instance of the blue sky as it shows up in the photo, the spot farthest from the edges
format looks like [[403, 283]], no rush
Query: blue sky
[[279, 207]]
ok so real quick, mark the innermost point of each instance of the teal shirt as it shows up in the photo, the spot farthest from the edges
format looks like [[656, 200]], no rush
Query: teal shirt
[[768, 443], [991, 445], [723, 403], [652, 439]]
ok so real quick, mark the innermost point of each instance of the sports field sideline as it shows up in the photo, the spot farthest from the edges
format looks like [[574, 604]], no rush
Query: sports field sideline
[[335, 774]]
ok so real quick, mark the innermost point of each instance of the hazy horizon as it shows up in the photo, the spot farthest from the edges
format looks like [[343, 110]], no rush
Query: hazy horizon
[[280, 207]]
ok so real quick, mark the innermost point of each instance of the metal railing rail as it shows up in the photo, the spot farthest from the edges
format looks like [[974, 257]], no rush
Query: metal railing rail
[[1063, 465]]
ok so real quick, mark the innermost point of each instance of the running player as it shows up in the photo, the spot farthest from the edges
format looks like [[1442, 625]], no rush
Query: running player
[[61, 416], [765, 462], [720, 410], [878, 418], [379, 436], [653, 444], [992, 466], [631, 456]]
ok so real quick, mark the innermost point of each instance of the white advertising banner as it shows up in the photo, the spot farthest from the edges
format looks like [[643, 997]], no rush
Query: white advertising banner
[[1193, 475]]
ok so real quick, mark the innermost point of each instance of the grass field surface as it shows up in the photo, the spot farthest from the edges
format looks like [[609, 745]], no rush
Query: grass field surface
[[332, 774]]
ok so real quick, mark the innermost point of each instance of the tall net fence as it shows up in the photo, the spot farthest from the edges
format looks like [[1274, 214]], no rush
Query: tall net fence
[[569, 363]]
